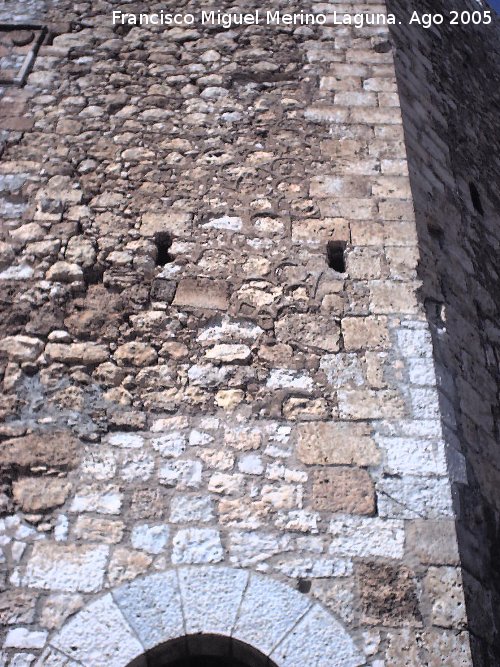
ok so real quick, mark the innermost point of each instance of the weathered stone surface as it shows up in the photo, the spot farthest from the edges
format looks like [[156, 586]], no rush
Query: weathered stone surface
[[388, 595], [177, 223], [200, 293], [152, 607], [88, 354], [197, 545], [343, 489], [99, 633], [443, 586], [336, 443], [17, 606], [59, 449], [363, 537], [34, 494], [283, 609], [66, 568], [93, 529], [21, 348], [136, 354], [432, 542], [58, 607], [126, 564]]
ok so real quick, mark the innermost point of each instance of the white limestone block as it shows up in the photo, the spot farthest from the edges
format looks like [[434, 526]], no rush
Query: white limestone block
[[316, 641], [269, 610], [66, 568], [99, 635], [211, 598], [152, 607]]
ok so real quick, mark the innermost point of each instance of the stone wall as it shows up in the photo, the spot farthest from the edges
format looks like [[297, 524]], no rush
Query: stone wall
[[449, 90], [187, 377]]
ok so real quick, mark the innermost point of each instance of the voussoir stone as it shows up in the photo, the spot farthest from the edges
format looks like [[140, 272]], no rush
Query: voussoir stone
[[99, 635], [268, 611], [152, 606], [318, 639], [211, 598]]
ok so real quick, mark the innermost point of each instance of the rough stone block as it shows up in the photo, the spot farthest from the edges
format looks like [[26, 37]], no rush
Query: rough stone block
[[283, 608], [99, 635], [432, 541], [177, 223], [336, 443], [388, 594], [343, 489], [66, 568], [317, 640], [364, 537], [152, 607], [211, 598], [202, 293], [56, 449], [365, 333]]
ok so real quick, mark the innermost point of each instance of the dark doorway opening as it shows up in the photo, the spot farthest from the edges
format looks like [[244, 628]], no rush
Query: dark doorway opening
[[203, 651], [208, 661]]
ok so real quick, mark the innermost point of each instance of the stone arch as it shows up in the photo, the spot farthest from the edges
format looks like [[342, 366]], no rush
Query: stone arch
[[125, 626]]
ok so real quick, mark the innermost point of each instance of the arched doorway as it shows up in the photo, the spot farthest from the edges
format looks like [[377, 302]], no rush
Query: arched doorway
[[207, 650], [203, 616]]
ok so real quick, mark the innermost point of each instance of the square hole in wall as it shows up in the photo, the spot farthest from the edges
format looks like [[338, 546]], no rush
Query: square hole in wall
[[19, 45]]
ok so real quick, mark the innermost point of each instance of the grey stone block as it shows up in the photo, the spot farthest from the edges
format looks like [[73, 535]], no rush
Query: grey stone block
[[211, 598], [152, 606], [99, 635]]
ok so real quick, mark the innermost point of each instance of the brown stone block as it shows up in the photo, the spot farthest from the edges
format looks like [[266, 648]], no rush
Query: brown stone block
[[336, 443], [369, 404], [202, 293], [388, 595], [50, 449], [320, 231], [393, 297], [177, 223], [341, 489], [35, 494], [17, 606], [432, 542], [365, 333], [16, 124]]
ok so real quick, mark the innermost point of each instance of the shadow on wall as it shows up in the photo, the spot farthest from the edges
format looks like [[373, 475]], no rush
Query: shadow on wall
[[449, 84]]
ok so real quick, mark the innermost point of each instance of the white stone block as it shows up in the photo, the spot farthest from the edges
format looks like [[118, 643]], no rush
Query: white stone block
[[66, 568], [197, 545], [186, 509], [414, 498], [53, 658], [24, 638], [412, 456], [152, 607], [99, 635], [269, 610], [211, 598], [363, 537], [181, 474], [318, 640], [152, 539], [126, 440]]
